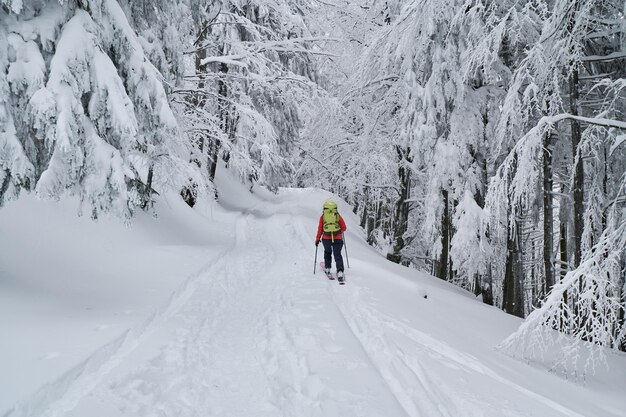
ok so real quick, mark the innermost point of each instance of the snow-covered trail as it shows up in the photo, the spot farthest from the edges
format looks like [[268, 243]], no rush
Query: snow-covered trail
[[255, 333]]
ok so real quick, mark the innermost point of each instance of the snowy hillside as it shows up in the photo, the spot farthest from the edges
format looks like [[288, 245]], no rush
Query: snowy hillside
[[215, 311]]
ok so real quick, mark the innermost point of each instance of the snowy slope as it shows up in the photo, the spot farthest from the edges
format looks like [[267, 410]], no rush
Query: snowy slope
[[69, 285], [225, 318]]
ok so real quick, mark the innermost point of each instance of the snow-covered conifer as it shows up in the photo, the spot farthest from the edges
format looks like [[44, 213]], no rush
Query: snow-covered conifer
[[87, 107]]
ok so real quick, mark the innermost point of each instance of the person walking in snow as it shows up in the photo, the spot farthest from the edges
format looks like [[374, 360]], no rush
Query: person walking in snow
[[329, 230]]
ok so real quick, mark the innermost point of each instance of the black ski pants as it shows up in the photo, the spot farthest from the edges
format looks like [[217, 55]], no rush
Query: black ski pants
[[333, 248]]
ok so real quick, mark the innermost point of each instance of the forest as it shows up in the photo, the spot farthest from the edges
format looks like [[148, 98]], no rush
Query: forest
[[481, 141]]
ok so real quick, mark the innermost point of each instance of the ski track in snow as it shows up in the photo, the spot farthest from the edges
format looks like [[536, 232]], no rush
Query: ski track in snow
[[422, 392], [61, 396], [214, 359], [414, 390], [254, 334], [419, 392]]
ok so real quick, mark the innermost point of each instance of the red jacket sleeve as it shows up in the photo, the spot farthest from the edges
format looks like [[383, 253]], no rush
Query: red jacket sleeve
[[320, 229], [342, 224]]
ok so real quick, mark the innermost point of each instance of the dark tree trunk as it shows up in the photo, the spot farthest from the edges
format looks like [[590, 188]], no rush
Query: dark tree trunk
[[578, 183], [487, 289], [579, 173], [605, 187], [519, 273], [199, 99], [442, 264], [401, 212], [508, 286], [514, 278], [563, 248], [371, 221], [622, 313], [548, 213], [483, 284], [564, 255], [379, 214], [213, 159], [147, 193], [215, 148], [5, 184], [477, 287], [366, 204], [563, 239], [374, 222]]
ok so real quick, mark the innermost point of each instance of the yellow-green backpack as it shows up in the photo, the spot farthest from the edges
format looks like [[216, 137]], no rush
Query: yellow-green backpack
[[331, 217]]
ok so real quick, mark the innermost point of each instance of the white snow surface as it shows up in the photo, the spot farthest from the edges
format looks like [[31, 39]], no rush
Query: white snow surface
[[215, 311]]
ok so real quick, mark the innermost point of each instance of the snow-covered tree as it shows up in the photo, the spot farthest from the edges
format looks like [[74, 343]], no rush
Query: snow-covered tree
[[252, 82], [470, 148], [552, 110], [86, 112]]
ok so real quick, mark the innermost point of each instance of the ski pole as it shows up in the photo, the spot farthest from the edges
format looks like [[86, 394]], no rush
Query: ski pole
[[315, 264], [346, 248]]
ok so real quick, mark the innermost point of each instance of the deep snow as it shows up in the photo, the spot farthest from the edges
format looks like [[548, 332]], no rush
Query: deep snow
[[216, 312]]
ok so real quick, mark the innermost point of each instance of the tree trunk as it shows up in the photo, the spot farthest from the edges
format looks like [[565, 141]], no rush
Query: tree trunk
[[622, 313], [563, 248], [548, 213], [508, 286], [442, 265], [5, 184], [371, 221], [366, 204], [519, 273], [483, 284], [147, 193], [374, 222], [564, 255], [199, 99], [214, 149], [605, 186], [579, 173], [379, 215], [189, 192], [487, 289], [514, 277], [401, 212], [477, 286], [578, 183]]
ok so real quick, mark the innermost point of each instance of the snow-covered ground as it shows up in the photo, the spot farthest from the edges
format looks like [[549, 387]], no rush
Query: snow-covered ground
[[216, 312]]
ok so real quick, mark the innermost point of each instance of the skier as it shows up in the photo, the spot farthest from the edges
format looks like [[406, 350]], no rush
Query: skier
[[330, 229]]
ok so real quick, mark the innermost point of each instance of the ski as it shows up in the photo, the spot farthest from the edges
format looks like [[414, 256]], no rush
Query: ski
[[330, 274]]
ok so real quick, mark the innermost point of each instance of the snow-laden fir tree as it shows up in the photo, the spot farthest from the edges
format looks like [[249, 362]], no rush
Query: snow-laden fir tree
[[85, 112]]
